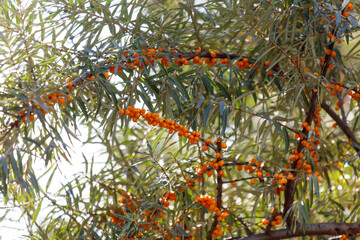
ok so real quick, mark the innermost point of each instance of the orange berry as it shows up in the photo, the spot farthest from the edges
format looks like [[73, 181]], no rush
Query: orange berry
[[205, 147], [233, 183], [252, 181], [31, 117], [196, 59], [61, 101], [331, 67], [333, 54], [267, 63], [213, 54], [208, 141], [265, 222]]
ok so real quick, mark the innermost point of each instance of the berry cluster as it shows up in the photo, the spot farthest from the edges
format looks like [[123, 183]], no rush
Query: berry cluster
[[154, 120], [211, 205], [170, 196]]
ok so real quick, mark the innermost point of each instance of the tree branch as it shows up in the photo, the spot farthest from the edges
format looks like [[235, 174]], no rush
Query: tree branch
[[316, 229], [343, 126], [291, 185]]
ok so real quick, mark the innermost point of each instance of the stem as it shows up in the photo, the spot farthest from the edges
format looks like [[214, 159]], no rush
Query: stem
[[219, 189]]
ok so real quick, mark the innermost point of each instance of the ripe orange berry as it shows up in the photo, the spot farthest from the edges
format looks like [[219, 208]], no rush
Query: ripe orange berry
[[31, 117], [333, 54], [223, 145], [265, 222], [267, 63], [331, 67], [208, 141], [252, 181], [217, 155], [61, 101], [233, 183], [213, 54], [205, 147]]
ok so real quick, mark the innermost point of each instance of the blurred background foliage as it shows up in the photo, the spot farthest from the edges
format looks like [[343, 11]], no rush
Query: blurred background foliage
[[43, 43]]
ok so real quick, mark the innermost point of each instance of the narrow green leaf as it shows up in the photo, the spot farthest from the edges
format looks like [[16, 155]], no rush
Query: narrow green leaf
[[286, 139], [206, 114], [36, 213]]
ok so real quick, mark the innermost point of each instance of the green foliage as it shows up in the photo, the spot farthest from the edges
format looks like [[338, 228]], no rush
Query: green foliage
[[256, 110]]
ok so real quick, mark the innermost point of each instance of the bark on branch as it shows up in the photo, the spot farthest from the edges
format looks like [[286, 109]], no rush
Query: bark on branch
[[342, 125], [332, 229]]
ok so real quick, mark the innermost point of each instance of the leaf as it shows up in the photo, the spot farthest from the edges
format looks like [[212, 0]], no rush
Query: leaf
[[181, 230], [224, 120], [286, 139], [206, 114], [311, 186], [200, 101], [223, 90], [221, 107], [4, 164], [173, 232], [36, 213]]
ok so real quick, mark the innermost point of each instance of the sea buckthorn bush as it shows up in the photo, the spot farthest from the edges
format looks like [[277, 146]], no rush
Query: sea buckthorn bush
[[217, 119]]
